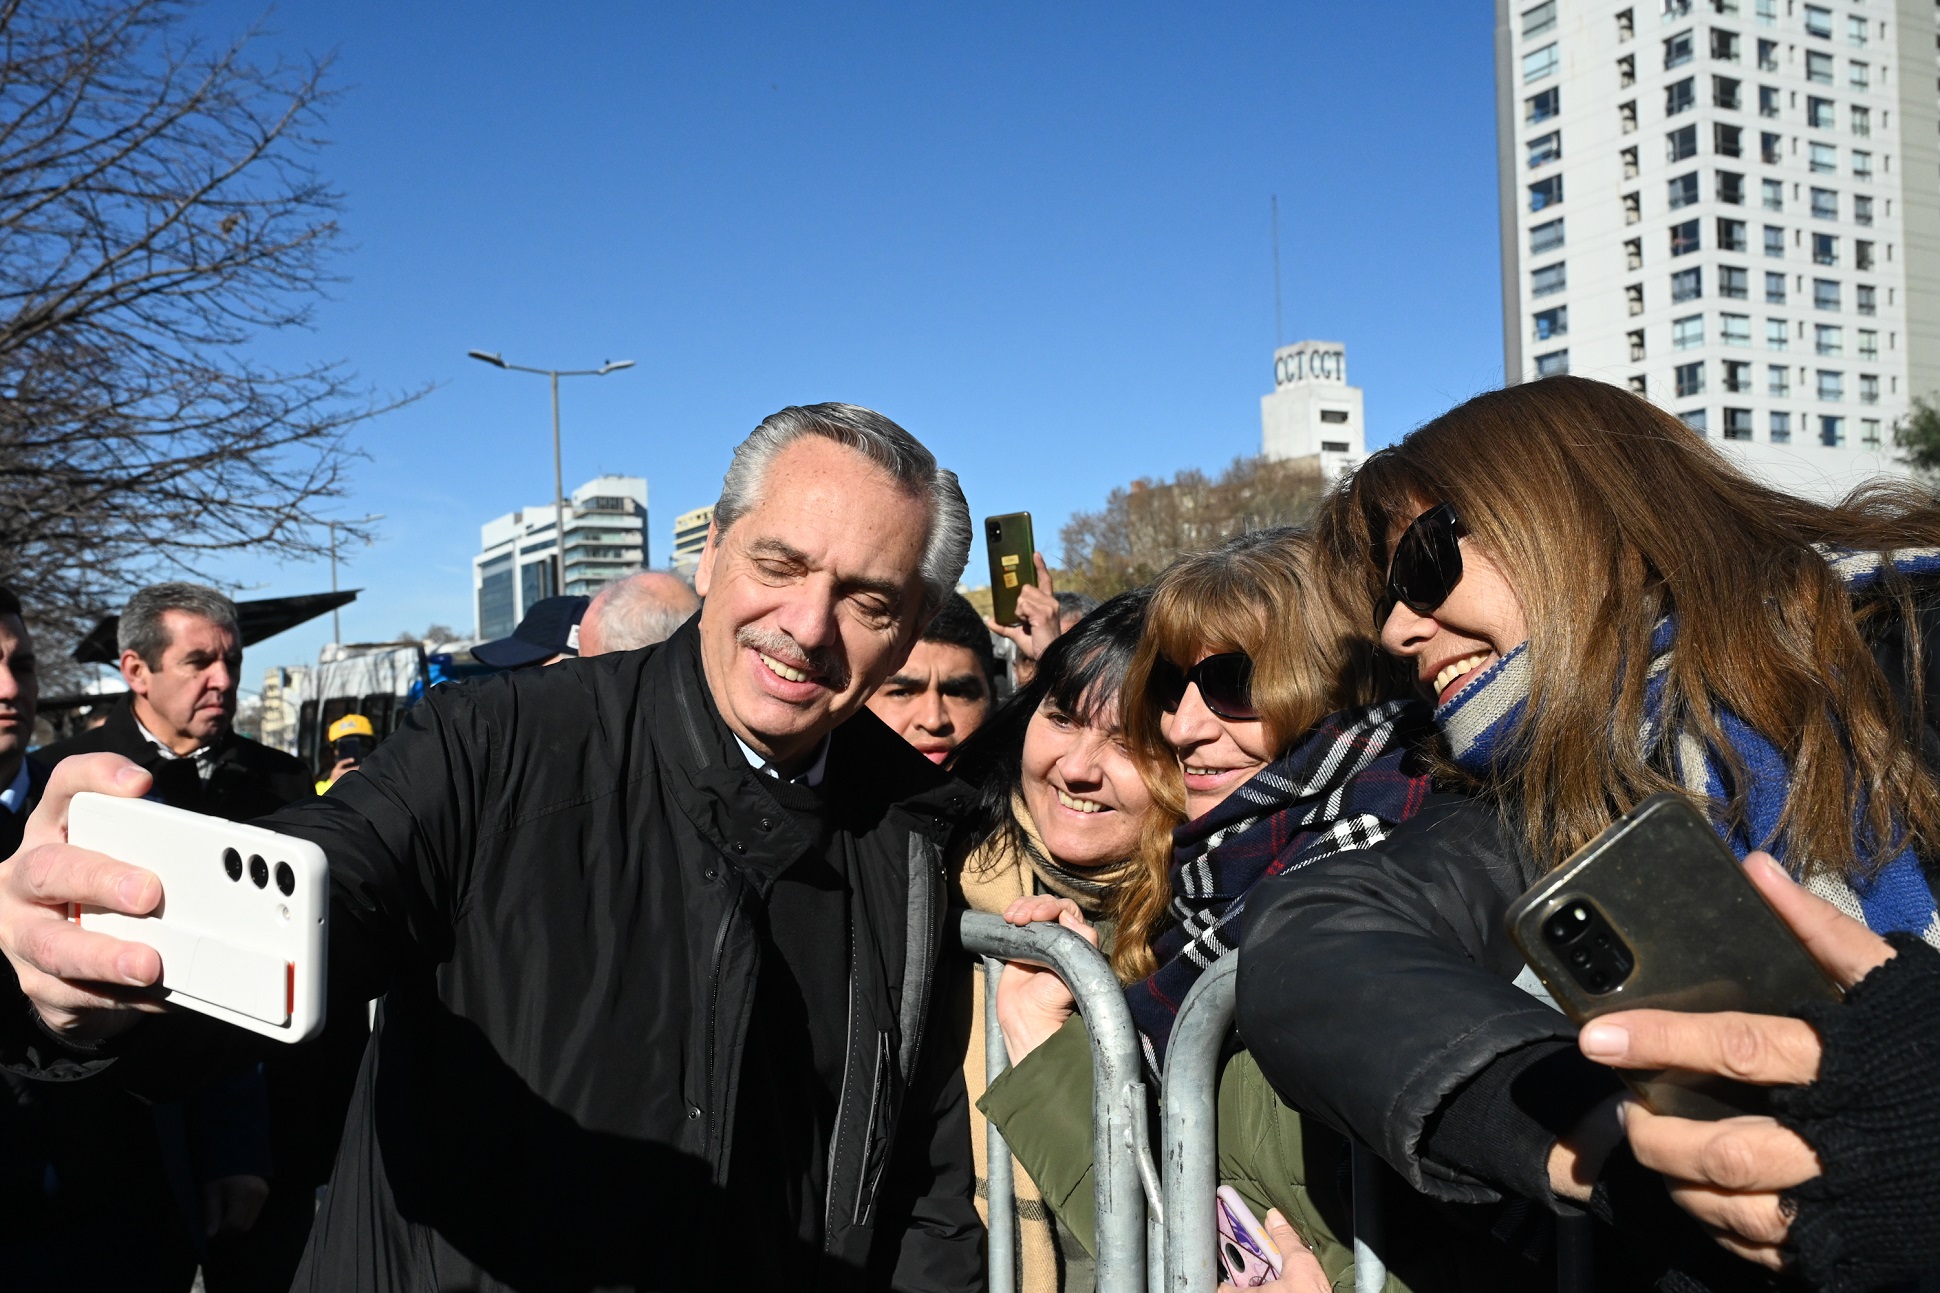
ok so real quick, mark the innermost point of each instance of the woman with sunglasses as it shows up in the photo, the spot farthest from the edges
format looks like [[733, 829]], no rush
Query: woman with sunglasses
[[1621, 613], [1258, 717], [1060, 810]]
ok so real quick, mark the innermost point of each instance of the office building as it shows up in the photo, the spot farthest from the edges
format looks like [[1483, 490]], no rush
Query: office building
[[1733, 208], [690, 536], [606, 539], [1313, 412]]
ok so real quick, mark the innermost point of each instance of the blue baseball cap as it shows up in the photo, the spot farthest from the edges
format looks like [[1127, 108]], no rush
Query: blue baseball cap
[[550, 628]]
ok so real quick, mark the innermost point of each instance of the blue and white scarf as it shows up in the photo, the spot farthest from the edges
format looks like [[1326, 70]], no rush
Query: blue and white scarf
[[1479, 723]]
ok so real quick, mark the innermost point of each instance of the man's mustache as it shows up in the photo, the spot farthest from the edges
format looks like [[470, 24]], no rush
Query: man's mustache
[[822, 661]]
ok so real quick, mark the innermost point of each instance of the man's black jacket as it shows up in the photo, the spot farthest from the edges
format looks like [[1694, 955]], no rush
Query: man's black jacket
[[552, 874], [248, 779]]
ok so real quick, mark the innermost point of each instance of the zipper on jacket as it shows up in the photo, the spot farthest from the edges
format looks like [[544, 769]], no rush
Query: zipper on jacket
[[714, 1009], [841, 1105]]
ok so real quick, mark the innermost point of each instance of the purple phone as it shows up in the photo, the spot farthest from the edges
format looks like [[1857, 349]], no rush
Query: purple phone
[[1247, 1256]]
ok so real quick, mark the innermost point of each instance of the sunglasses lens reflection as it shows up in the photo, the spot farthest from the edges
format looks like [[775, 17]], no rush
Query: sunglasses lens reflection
[[1226, 681]]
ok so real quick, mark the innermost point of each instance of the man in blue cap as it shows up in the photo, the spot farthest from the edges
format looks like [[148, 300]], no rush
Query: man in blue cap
[[548, 634]]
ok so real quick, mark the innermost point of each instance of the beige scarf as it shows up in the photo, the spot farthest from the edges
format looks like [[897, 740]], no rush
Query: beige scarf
[[995, 874]]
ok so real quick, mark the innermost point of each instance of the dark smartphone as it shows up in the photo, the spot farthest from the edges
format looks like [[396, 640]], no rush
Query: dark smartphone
[[1656, 913], [1012, 550]]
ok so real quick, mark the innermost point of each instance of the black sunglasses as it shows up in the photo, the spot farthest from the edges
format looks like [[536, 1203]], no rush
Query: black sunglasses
[[1427, 562], [1225, 683]]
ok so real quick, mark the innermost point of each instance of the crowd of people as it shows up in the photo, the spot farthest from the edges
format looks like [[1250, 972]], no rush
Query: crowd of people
[[659, 937]]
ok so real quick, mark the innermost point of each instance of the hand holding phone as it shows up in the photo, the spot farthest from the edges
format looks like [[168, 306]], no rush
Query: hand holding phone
[[1247, 1255]]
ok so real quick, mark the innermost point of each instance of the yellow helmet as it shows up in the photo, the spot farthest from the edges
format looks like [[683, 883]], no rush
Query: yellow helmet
[[351, 725]]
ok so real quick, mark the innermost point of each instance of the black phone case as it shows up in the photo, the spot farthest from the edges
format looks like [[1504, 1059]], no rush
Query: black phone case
[[1701, 937], [1012, 563]]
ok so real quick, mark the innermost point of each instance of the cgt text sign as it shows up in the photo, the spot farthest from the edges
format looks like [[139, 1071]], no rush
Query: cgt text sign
[[1310, 363]]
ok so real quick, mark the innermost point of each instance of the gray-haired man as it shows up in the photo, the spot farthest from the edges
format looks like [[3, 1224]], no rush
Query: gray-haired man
[[660, 931]]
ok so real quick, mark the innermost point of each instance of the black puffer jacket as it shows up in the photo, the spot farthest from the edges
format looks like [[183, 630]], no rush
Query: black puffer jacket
[[555, 876]]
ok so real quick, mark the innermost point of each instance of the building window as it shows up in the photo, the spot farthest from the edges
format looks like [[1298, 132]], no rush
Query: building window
[[1832, 385], [1541, 107], [1630, 167], [1639, 384], [1633, 296], [1825, 204], [1545, 193], [1819, 113], [1731, 188], [1694, 418], [1678, 50], [1862, 121], [1690, 379], [1767, 55], [1869, 432], [1868, 344], [1684, 190], [1552, 323], [1862, 76], [1862, 164], [1770, 150], [1768, 13], [1865, 299], [1627, 116], [1774, 289], [1687, 332], [1731, 235], [1825, 249], [1735, 329], [1818, 22], [1553, 364], [1633, 208], [1862, 254], [1627, 24], [1818, 67], [1737, 424], [1778, 380], [1725, 92], [1724, 45], [1823, 159], [1733, 282], [1539, 21], [1768, 100], [1687, 285], [1774, 241], [1832, 432], [1862, 209], [1868, 388], [1539, 63], [1774, 194], [1681, 143], [1680, 96], [1544, 149], [1636, 340], [1545, 237], [1548, 280], [1856, 31], [1633, 253], [1778, 334], [1825, 294], [1781, 424], [1626, 71], [1685, 238], [1828, 339]]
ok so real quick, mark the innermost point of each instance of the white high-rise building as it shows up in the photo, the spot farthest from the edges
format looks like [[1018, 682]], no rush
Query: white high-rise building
[[1732, 207], [1313, 412], [606, 538]]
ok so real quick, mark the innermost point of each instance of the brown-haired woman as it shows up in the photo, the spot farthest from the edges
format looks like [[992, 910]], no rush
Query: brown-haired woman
[[1603, 608], [1256, 713]]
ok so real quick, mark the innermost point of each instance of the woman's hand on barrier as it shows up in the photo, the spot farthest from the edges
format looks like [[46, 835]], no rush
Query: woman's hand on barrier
[[1032, 1001], [1728, 1174], [1300, 1270]]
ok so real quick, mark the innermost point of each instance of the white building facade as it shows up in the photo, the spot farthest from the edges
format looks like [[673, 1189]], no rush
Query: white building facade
[[1313, 412], [606, 539], [1733, 208]]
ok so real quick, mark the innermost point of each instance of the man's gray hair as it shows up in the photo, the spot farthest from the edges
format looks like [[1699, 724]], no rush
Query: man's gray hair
[[884, 443], [141, 629], [637, 611]]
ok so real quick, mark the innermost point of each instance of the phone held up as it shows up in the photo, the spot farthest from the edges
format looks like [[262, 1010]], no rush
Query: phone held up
[[1012, 561], [243, 924], [1246, 1255], [1656, 913]]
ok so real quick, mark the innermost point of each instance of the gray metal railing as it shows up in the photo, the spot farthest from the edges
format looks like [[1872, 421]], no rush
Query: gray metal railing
[[1118, 1137]]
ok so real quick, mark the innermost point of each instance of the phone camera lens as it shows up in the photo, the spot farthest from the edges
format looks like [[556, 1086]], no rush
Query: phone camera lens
[[1579, 913], [232, 863], [258, 871], [1599, 980], [1579, 957], [285, 879]]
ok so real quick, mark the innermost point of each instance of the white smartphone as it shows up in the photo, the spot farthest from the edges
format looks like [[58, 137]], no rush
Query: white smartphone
[[243, 926]]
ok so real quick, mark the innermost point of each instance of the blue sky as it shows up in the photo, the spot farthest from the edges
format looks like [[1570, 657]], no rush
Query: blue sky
[[1035, 235]]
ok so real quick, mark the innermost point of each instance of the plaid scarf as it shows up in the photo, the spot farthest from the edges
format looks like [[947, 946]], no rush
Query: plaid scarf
[[1481, 721], [1344, 786]]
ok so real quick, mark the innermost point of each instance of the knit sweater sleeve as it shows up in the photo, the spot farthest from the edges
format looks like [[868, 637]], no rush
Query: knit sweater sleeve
[[1873, 1117]]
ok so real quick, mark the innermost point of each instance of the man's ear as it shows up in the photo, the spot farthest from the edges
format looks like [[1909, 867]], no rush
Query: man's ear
[[704, 571], [134, 672]]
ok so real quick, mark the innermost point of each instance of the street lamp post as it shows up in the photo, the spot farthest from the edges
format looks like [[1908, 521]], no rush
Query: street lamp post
[[558, 474], [336, 628]]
